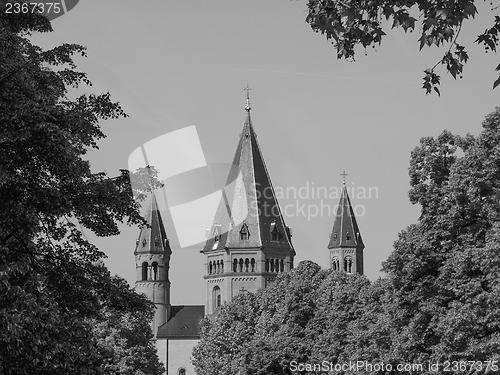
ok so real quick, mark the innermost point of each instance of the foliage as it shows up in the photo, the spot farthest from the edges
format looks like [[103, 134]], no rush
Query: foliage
[[304, 316], [51, 287], [123, 335], [352, 22], [445, 268]]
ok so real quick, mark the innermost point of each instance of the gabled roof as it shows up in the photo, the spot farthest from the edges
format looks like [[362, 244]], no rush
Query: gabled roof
[[345, 231], [184, 323], [249, 199], [153, 239]]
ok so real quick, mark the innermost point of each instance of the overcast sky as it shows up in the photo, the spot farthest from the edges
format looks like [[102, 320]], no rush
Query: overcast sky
[[173, 64]]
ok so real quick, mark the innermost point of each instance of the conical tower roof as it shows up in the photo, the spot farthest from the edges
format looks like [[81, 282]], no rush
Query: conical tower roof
[[153, 238], [345, 231], [249, 203]]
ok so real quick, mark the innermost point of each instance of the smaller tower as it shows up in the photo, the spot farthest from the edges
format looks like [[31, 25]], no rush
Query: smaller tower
[[346, 246], [152, 260]]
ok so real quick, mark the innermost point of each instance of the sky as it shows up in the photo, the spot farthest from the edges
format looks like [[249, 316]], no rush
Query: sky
[[174, 64]]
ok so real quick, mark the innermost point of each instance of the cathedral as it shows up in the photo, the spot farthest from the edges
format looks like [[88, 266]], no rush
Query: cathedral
[[239, 255]]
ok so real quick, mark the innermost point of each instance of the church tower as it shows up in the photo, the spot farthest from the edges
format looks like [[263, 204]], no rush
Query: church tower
[[249, 243], [152, 259], [346, 246]]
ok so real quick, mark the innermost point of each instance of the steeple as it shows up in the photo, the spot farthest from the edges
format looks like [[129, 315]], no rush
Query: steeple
[[249, 199], [249, 242], [153, 239], [345, 245], [152, 260]]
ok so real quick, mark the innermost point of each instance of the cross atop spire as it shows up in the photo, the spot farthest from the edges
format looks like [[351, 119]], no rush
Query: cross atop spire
[[344, 174], [247, 89]]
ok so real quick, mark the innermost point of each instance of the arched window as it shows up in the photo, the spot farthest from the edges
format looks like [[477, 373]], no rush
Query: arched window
[[235, 265], [210, 267], [221, 266], [241, 265], [272, 265], [252, 265], [217, 267], [348, 264], [155, 270], [282, 265], [144, 271], [247, 264], [277, 265], [182, 371], [216, 297], [335, 264], [267, 265], [347, 236]]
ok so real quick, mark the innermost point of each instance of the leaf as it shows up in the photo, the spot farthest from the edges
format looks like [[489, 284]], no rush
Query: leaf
[[429, 22], [470, 9], [491, 44], [351, 14], [409, 23], [422, 40], [496, 83], [443, 13]]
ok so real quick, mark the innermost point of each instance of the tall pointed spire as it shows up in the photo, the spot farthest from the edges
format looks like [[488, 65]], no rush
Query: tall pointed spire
[[152, 262], [346, 246], [345, 231], [250, 199], [153, 239], [249, 243]]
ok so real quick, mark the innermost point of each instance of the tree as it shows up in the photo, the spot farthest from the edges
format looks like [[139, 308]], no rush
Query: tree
[[352, 23], [445, 269], [51, 287], [306, 316], [123, 335], [226, 337]]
